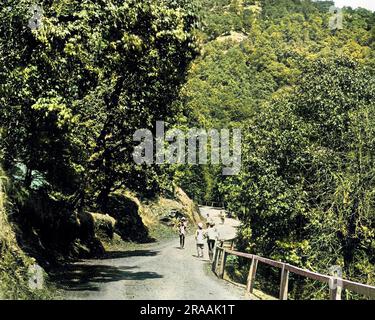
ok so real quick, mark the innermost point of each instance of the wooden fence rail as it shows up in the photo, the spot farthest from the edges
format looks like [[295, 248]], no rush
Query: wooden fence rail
[[336, 284], [215, 204]]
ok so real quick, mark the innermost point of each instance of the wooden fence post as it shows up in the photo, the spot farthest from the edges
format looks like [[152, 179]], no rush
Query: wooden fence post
[[214, 261], [232, 245], [222, 266], [251, 276], [219, 253], [284, 283], [334, 289]]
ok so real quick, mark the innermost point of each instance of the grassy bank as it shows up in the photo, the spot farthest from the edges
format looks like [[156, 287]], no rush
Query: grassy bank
[[14, 263]]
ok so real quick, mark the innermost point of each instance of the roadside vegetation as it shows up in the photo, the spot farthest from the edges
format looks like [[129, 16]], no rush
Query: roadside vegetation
[[74, 90], [303, 94]]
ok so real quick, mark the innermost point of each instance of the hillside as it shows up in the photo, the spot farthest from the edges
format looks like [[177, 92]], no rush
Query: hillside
[[15, 265], [302, 91], [84, 85]]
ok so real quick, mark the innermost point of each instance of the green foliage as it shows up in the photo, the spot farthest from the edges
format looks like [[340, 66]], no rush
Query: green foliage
[[303, 96], [14, 263], [240, 70], [74, 91], [72, 94], [91, 75], [306, 188]]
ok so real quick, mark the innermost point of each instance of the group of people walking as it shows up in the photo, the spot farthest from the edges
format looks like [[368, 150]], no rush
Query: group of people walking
[[209, 235]]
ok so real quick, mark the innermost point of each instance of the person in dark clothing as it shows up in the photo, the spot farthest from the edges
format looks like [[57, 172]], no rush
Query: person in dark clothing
[[182, 228]]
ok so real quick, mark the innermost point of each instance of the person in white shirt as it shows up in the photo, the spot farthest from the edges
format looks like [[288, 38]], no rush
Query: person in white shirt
[[222, 216], [199, 238], [212, 237]]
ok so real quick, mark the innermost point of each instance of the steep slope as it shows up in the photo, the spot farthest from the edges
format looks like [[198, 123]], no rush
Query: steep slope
[[14, 263]]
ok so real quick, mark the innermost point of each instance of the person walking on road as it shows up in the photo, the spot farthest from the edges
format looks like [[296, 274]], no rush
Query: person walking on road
[[199, 238], [212, 237], [182, 228], [222, 216], [209, 222]]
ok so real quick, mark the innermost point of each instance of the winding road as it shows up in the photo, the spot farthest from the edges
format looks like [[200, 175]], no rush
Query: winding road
[[160, 272]]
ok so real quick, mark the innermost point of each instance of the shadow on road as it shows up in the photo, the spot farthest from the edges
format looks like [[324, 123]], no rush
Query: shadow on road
[[89, 277], [128, 254]]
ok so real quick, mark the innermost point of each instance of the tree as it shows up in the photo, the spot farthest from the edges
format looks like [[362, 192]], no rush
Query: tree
[[75, 90], [306, 192]]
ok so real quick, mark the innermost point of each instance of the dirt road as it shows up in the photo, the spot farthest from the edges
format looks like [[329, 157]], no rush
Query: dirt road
[[161, 272]]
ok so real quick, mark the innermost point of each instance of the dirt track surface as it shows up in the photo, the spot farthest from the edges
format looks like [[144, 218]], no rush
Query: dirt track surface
[[161, 272]]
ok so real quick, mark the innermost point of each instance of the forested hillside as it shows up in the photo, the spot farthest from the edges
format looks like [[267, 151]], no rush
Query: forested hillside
[[76, 85], [303, 94]]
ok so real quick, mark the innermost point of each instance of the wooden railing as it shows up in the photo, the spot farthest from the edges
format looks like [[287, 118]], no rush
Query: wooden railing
[[214, 204], [336, 284]]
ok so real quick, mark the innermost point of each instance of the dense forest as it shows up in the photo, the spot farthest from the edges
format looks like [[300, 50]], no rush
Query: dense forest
[[75, 88], [303, 94]]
